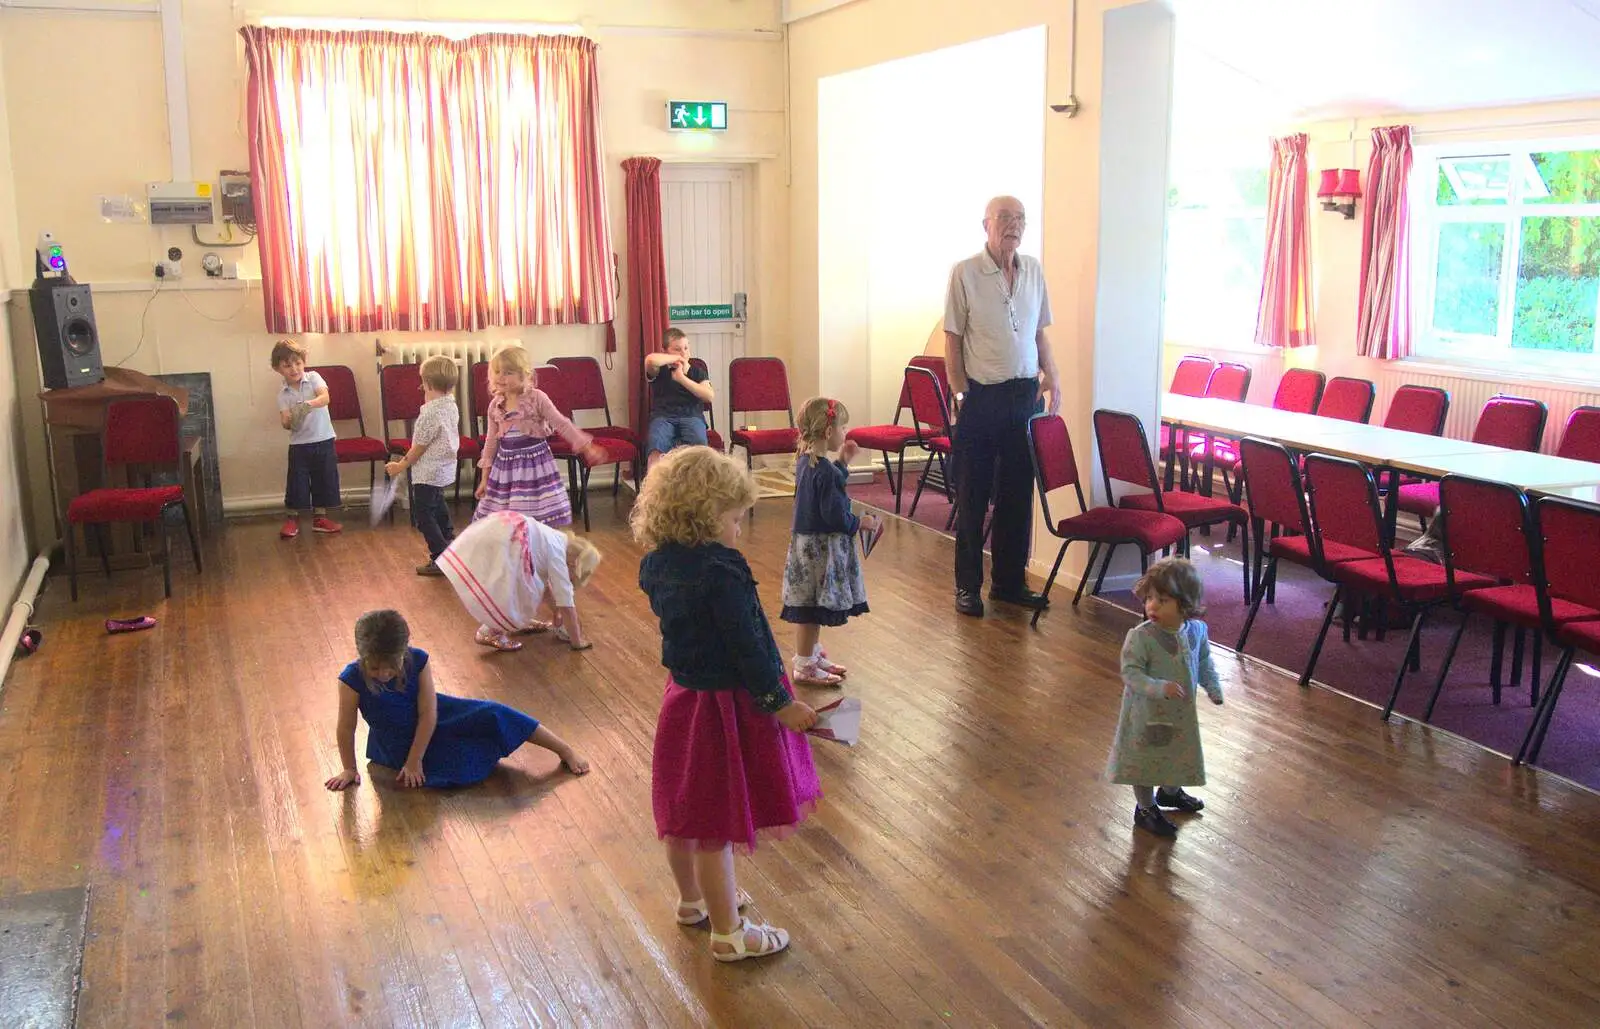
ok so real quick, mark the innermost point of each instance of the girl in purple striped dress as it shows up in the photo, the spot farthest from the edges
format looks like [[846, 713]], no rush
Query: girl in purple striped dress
[[519, 472]]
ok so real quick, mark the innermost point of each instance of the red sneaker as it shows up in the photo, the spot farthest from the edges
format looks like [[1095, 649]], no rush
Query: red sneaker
[[291, 529], [322, 523]]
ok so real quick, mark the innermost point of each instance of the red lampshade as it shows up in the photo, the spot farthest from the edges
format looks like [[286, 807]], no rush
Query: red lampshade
[[1330, 183], [1349, 182]]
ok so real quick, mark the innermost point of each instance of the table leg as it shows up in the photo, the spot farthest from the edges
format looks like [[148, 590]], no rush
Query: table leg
[[1391, 506]]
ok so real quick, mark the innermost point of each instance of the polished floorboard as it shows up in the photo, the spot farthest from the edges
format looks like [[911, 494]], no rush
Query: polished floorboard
[[968, 867]]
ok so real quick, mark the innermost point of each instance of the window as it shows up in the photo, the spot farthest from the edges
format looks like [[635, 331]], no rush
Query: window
[[1216, 243], [1507, 254]]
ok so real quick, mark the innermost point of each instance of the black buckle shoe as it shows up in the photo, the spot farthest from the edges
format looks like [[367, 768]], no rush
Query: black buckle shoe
[[1178, 800], [969, 603], [1151, 820], [1023, 597]]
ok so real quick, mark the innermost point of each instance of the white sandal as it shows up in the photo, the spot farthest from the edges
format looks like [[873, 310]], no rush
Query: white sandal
[[701, 912], [772, 941], [820, 656], [808, 672]]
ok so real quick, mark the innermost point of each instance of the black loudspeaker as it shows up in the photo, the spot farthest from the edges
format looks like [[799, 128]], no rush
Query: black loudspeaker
[[69, 344]]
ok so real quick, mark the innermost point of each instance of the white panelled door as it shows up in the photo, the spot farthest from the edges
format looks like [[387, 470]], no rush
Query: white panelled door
[[704, 228]]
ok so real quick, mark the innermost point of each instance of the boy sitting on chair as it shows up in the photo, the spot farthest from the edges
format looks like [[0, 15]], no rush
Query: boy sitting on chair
[[678, 394]]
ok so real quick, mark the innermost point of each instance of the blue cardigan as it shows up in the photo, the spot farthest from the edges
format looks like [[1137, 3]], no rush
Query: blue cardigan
[[821, 504]]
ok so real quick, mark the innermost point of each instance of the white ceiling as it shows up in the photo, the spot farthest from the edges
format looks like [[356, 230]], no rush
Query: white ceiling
[[1323, 59]]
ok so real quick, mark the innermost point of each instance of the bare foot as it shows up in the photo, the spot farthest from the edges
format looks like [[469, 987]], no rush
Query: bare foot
[[574, 762]]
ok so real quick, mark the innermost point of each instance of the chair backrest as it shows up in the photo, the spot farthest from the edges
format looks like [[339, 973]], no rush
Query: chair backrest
[[141, 429], [1299, 390], [553, 383], [1568, 550], [1484, 526], [585, 383], [930, 411], [1054, 466], [1190, 377], [344, 402], [758, 384], [1124, 451], [935, 364], [1418, 409], [1515, 423], [479, 395], [1272, 484], [1347, 399], [1580, 440], [400, 392], [711, 414], [1229, 382], [1344, 503]]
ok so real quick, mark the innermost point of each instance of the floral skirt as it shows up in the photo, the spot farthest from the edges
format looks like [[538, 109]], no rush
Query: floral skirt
[[524, 478], [822, 581]]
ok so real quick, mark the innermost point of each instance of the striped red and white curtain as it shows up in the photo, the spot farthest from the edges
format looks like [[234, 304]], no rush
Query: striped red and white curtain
[[1283, 318], [408, 181], [1383, 318]]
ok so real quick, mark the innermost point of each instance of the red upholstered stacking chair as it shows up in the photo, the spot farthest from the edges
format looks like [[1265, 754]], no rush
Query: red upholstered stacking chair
[[1125, 457], [139, 431], [1511, 422], [1277, 498], [1188, 380], [479, 396], [930, 415], [890, 439], [1347, 399], [1580, 440], [1418, 409], [586, 389], [553, 382], [757, 384], [344, 405], [1344, 508], [1054, 467], [1299, 392], [1486, 528], [400, 400], [1228, 382], [1566, 556], [713, 438]]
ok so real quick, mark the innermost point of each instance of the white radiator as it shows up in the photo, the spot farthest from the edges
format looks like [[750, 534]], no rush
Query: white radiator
[[465, 353], [1468, 395]]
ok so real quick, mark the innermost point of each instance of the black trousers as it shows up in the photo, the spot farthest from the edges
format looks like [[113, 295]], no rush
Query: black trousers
[[431, 515], [991, 457]]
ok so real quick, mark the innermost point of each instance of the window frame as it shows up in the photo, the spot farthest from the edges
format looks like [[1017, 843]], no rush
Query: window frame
[[1437, 346]]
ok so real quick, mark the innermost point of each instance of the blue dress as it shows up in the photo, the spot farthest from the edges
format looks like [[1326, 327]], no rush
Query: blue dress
[[470, 739]]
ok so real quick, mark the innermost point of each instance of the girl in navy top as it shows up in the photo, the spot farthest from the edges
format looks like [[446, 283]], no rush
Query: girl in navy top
[[730, 759], [433, 739], [822, 581]]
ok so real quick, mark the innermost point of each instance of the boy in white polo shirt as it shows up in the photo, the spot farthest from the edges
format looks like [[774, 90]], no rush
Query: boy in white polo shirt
[[313, 482], [432, 457]]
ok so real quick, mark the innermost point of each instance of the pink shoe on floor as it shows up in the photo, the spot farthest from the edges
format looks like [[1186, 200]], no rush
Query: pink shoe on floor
[[116, 625]]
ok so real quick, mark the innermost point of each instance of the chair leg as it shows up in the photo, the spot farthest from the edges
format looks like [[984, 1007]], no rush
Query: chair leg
[[102, 542], [1316, 648], [1519, 643], [1412, 643], [1533, 680], [922, 481], [1034, 621], [1497, 658], [166, 555], [1541, 717], [1088, 570], [194, 538], [1444, 666], [1105, 566], [583, 494], [72, 558], [1255, 604]]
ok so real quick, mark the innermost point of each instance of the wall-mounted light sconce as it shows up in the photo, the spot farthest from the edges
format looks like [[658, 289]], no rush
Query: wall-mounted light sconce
[[1339, 190]]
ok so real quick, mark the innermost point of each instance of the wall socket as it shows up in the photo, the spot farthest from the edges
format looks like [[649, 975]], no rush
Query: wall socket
[[169, 269]]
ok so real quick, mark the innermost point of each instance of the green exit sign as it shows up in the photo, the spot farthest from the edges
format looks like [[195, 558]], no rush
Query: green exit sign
[[697, 115], [700, 312]]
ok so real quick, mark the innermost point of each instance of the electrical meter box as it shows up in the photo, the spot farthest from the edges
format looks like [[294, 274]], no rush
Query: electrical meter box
[[180, 203]]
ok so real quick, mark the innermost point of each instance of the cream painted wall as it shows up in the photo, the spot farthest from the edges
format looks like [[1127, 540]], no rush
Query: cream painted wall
[[1065, 230], [106, 133], [14, 550]]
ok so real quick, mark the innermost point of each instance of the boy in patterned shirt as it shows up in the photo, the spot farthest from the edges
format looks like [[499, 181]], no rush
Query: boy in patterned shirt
[[432, 458]]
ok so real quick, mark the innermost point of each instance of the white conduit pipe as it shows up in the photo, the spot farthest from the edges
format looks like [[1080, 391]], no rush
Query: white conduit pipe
[[21, 614]]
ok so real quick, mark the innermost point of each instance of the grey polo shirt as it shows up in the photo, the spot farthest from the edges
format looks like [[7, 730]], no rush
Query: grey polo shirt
[[318, 425], [999, 331]]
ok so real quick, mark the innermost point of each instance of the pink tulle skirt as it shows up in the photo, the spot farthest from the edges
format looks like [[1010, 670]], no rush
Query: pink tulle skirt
[[724, 771]]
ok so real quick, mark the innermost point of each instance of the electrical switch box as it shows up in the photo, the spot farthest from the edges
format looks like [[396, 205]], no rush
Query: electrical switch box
[[180, 203]]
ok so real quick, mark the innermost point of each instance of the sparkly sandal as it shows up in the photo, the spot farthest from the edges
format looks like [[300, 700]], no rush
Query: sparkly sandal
[[697, 911], [821, 658], [809, 672], [534, 629], [564, 637], [495, 641], [772, 941]]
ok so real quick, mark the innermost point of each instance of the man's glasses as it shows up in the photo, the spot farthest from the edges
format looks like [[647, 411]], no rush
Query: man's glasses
[[1007, 218]]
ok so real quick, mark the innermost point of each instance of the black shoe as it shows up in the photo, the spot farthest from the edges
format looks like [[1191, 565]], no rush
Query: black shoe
[[1151, 820], [1023, 597], [1178, 800], [969, 603], [429, 569]]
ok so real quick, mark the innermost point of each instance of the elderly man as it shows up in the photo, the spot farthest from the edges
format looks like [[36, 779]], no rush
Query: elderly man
[[996, 312]]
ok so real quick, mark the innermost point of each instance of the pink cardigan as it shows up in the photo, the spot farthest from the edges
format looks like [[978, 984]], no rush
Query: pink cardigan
[[536, 415]]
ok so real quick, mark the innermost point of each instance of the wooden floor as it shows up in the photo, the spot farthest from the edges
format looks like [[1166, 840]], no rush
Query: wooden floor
[[968, 866]]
